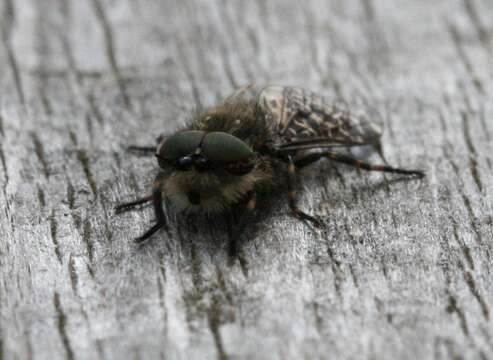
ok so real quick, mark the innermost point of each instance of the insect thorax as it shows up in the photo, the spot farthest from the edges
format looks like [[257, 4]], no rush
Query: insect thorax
[[240, 116]]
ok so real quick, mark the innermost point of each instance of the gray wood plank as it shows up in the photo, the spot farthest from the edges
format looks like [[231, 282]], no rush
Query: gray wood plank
[[403, 269]]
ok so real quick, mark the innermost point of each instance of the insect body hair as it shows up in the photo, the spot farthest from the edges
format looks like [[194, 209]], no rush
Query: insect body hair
[[217, 192], [244, 120]]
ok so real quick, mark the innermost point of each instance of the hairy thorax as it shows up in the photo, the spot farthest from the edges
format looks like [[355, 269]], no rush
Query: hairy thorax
[[212, 191]]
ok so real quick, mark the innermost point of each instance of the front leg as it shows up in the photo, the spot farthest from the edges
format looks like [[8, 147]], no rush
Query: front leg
[[240, 226], [132, 204], [146, 150], [142, 150], [157, 201]]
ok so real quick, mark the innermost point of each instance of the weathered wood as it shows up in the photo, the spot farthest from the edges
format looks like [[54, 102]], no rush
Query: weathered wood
[[404, 269]]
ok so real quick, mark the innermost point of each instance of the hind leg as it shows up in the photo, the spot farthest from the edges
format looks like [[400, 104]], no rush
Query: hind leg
[[292, 196], [348, 160]]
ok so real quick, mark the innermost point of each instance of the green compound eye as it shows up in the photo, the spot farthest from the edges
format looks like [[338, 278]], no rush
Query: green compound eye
[[222, 148], [180, 144]]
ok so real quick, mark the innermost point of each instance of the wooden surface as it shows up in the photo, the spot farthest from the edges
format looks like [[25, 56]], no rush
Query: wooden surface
[[404, 268]]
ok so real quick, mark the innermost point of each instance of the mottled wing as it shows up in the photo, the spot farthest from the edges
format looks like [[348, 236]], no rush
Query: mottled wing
[[303, 117]]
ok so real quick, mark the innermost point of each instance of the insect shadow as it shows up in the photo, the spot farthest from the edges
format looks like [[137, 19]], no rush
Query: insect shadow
[[215, 233]]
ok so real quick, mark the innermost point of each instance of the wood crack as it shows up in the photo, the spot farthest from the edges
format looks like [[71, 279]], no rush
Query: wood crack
[[466, 251], [70, 195], [461, 52], [354, 277], [54, 236], [188, 73], [227, 68], [62, 327], [471, 283], [311, 38], [336, 270], [486, 132], [94, 108], [231, 30], [4, 166], [8, 209], [6, 25], [43, 53], [475, 20], [369, 9], [452, 307], [104, 201], [40, 153], [111, 51], [86, 167], [472, 218], [41, 197], [2, 132], [161, 281], [482, 118], [473, 163], [74, 278], [87, 237], [78, 76]]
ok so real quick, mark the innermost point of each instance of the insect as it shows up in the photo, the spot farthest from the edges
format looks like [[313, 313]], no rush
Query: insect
[[254, 140]]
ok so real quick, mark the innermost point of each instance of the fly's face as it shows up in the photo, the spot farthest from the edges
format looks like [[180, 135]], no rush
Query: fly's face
[[208, 169]]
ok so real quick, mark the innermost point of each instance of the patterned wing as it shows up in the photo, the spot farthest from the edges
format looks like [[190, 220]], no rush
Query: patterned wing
[[303, 117]]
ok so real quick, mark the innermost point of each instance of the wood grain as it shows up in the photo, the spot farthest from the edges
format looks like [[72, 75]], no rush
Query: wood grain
[[403, 269]]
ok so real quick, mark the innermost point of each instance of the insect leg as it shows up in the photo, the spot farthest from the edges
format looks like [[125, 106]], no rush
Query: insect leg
[[157, 200], [146, 150], [308, 159], [365, 166], [240, 226], [292, 195], [131, 204], [311, 158]]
